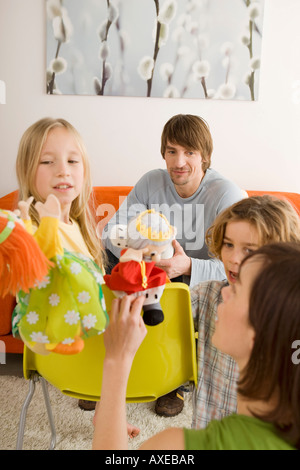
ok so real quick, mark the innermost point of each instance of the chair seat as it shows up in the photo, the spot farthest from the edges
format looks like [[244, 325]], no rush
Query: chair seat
[[165, 360]]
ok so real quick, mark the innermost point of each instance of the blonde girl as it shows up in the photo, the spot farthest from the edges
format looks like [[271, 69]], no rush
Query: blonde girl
[[40, 145], [237, 231], [52, 159]]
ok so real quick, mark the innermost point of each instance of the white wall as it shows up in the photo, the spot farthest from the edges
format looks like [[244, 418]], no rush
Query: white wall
[[257, 144]]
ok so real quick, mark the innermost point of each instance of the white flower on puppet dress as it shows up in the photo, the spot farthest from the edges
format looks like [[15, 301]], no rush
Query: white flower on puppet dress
[[54, 300], [83, 257], [58, 261], [99, 278], [83, 297], [72, 317], [89, 321], [32, 318], [103, 305], [75, 268], [68, 341], [38, 337], [16, 319], [43, 283], [10, 224]]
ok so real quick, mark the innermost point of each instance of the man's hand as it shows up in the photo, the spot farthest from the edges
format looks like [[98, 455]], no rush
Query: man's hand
[[178, 265]]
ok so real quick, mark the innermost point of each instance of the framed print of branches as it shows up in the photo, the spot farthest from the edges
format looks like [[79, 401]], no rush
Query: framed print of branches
[[199, 49]]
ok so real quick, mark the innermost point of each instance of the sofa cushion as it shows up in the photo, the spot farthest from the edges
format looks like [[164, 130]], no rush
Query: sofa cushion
[[10, 201], [107, 200], [7, 304], [293, 198]]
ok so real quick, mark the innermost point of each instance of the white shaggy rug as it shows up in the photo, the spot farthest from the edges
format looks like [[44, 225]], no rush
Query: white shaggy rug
[[74, 428]]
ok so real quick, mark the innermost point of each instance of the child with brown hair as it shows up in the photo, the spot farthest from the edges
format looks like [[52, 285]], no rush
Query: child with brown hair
[[236, 232], [258, 325]]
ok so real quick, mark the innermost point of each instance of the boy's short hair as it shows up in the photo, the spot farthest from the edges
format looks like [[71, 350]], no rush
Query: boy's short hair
[[274, 219], [190, 131]]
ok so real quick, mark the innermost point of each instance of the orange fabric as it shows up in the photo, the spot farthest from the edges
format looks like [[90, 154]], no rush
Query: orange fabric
[[22, 262], [7, 304], [293, 198], [113, 195], [10, 201], [129, 277], [12, 345], [107, 201], [69, 349]]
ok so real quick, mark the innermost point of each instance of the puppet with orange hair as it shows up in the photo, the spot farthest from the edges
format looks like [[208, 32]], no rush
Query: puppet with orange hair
[[22, 262], [60, 300]]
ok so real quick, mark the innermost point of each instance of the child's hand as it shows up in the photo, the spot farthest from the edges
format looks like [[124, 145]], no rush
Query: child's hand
[[24, 208], [126, 330], [50, 208]]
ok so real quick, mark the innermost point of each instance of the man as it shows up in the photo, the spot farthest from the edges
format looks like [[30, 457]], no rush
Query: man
[[190, 194]]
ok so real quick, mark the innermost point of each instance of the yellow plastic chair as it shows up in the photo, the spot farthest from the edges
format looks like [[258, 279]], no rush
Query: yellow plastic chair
[[165, 360]]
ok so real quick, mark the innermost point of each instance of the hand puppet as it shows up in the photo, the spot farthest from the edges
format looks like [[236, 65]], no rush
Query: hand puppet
[[147, 238], [22, 262], [66, 306]]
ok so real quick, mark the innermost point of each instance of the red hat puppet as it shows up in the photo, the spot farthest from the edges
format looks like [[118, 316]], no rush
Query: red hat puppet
[[146, 238]]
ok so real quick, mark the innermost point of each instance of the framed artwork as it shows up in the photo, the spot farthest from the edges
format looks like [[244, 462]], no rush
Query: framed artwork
[[199, 49]]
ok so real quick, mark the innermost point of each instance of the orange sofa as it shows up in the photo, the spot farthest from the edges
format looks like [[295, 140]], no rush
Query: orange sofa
[[107, 201]]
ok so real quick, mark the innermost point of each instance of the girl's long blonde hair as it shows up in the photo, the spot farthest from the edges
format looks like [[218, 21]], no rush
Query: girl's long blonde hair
[[82, 208]]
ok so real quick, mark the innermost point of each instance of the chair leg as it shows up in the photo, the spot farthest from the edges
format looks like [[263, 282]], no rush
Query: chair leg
[[49, 411], [32, 381]]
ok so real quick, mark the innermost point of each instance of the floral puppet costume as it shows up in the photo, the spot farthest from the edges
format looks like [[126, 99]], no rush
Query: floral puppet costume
[[67, 306], [147, 239]]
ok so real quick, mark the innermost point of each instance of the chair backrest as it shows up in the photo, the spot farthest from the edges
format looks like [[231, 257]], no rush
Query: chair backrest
[[165, 360]]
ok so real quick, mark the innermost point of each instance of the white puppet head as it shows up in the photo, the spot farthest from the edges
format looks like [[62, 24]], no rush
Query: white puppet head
[[151, 229]]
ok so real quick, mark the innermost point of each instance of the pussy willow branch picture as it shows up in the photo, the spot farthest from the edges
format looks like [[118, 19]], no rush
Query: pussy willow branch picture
[[199, 49]]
